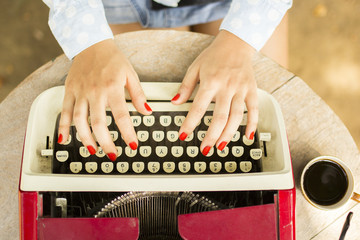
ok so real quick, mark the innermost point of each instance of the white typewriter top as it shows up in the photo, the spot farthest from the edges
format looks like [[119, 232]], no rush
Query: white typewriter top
[[36, 170]]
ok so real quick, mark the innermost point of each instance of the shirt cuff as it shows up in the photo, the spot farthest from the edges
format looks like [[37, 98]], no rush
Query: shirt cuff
[[77, 25], [254, 21]]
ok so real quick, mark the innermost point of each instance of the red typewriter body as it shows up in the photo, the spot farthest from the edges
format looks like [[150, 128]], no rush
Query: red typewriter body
[[100, 204]]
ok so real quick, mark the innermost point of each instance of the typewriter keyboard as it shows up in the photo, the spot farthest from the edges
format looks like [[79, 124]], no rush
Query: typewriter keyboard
[[160, 151]]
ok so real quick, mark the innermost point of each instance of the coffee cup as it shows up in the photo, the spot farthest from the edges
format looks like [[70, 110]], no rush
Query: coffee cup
[[327, 183]]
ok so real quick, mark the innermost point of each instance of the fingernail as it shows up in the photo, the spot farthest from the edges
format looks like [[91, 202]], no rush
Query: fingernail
[[252, 136], [112, 156], [133, 145], [222, 145], [91, 149], [206, 150], [60, 138], [176, 97], [182, 136], [148, 107]]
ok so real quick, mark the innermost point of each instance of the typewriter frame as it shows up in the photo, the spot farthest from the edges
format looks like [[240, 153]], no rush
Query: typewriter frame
[[35, 175]]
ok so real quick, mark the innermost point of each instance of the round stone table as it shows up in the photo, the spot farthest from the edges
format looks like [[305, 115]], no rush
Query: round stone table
[[313, 128]]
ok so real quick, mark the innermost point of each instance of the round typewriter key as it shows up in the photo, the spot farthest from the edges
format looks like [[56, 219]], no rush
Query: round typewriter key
[[189, 137], [75, 167], [184, 167], [165, 121], [215, 167], [169, 167], [256, 153], [143, 136], [177, 151], [149, 120], [107, 167], [230, 167], [192, 151], [207, 120], [201, 134], [136, 120], [114, 135], [158, 136], [62, 156], [223, 153], [161, 151], [100, 152], [118, 151], [200, 167], [145, 151], [138, 167], [247, 141], [129, 152], [236, 137], [172, 136], [153, 167], [91, 167], [237, 151], [245, 166], [179, 120], [122, 167], [84, 152]]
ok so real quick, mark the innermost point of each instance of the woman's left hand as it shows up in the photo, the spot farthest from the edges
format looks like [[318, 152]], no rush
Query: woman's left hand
[[226, 76]]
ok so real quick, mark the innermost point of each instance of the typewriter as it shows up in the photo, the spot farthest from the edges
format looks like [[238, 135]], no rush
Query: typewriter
[[166, 189]]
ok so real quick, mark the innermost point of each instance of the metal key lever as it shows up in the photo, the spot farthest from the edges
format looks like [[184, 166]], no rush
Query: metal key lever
[[47, 152], [265, 137]]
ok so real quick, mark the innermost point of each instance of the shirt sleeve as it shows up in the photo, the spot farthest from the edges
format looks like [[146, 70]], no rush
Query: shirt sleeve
[[77, 24], [254, 21]]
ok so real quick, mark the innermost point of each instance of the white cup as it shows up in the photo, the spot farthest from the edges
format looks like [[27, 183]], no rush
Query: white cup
[[327, 183]]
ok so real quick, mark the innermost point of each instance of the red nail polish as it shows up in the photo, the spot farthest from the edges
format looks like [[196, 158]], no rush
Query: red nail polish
[[148, 107], [112, 156], [60, 138], [252, 136], [133, 145], [182, 136], [91, 149], [206, 150], [222, 145], [176, 97]]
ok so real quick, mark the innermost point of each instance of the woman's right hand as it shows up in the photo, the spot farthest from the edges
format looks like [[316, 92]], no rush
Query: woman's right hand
[[96, 80]]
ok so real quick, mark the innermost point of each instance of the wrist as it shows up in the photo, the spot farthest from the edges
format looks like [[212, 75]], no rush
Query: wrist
[[102, 47], [230, 40]]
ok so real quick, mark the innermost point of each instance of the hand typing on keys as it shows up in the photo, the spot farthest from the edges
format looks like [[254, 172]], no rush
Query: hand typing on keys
[[97, 79], [100, 73], [225, 73]]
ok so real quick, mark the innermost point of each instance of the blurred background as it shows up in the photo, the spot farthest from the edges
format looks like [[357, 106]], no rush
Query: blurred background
[[324, 40]]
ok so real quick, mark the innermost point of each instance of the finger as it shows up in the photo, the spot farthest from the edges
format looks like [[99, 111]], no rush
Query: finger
[[137, 95], [218, 122], [65, 118], [196, 112], [122, 119], [81, 114], [187, 86], [251, 102], [234, 121], [99, 127]]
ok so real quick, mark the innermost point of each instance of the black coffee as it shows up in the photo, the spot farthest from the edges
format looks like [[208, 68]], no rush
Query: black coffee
[[325, 183]]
